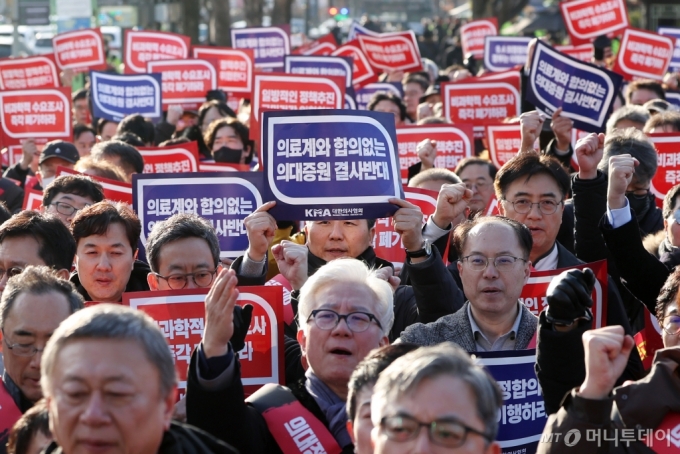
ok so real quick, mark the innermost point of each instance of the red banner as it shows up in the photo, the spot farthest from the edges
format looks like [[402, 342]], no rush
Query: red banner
[[294, 92], [534, 291], [482, 101], [386, 242], [362, 73], [180, 315], [644, 54], [212, 166], [142, 47], [117, 191], [234, 67], [44, 112], [504, 142], [588, 19], [668, 163], [472, 35], [182, 158], [32, 199], [392, 51], [649, 339], [80, 50], [39, 71], [322, 46], [584, 52], [185, 82], [11, 151], [454, 143]]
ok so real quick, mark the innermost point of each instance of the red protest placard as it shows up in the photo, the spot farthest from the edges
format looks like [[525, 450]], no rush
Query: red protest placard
[[588, 19], [117, 191], [43, 112], [212, 166], [482, 101], [180, 315], [392, 51], [322, 46], [294, 92], [648, 340], [644, 54], [362, 73], [386, 242], [39, 71], [185, 82], [504, 142], [142, 47], [454, 143], [12, 150], [32, 199], [234, 67], [80, 50], [182, 158], [584, 52], [534, 291], [668, 163], [472, 35]]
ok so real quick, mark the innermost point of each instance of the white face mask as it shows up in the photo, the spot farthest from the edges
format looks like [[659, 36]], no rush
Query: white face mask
[[46, 181]]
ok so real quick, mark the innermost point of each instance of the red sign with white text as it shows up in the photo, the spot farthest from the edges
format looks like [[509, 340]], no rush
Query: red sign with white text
[[362, 73], [392, 51], [648, 340], [117, 191], [482, 101], [294, 92], [588, 19], [142, 47], [26, 73], [234, 67], [472, 35], [668, 163], [534, 291], [386, 242], [584, 52], [504, 142], [32, 199], [80, 50], [12, 154], [44, 112], [182, 158], [322, 46], [180, 315], [454, 143], [185, 82], [644, 54]]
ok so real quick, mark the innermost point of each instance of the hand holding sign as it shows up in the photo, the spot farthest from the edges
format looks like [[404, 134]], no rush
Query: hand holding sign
[[569, 297], [531, 123], [589, 151], [408, 222], [562, 127], [292, 261], [261, 228], [607, 350], [427, 152], [452, 202], [621, 171], [219, 314]]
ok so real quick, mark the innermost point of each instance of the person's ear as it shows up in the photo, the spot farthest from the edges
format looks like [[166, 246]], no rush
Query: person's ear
[[63, 274], [169, 407], [350, 430], [302, 340], [152, 280], [135, 254]]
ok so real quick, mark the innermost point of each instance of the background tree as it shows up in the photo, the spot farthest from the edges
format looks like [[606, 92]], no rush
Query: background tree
[[503, 10]]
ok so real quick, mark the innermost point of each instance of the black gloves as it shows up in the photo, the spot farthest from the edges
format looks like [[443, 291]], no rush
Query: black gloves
[[569, 297], [242, 318]]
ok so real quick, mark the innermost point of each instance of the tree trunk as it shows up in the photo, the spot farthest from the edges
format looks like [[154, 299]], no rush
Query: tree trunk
[[503, 10], [191, 11], [220, 23], [254, 9], [282, 12]]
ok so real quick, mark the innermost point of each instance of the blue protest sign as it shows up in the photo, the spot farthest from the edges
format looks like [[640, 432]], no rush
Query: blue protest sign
[[350, 102], [585, 92], [269, 44], [673, 97], [331, 164], [675, 33], [115, 96], [364, 95], [223, 198], [522, 418], [320, 65], [356, 29], [504, 52]]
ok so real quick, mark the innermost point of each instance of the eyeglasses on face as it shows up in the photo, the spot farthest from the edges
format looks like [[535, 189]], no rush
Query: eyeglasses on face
[[448, 433], [65, 208], [479, 262], [201, 278], [357, 322], [524, 206], [671, 324]]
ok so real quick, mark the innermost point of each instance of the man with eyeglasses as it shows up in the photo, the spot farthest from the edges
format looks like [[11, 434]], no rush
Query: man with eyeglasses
[[478, 175], [69, 194], [435, 399], [32, 306]]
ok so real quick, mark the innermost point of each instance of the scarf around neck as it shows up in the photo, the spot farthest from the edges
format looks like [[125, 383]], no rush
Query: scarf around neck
[[332, 406]]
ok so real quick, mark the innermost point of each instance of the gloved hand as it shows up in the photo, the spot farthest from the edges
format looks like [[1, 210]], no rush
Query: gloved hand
[[242, 317], [569, 296]]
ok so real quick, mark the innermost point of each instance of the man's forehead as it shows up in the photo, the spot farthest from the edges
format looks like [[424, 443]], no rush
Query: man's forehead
[[492, 234], [538, 184]]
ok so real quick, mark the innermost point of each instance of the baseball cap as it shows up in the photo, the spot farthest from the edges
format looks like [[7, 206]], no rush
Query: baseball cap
[[59, 149]]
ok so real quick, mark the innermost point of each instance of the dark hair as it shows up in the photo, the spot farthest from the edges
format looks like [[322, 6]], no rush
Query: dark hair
[[462, 165], [81, 185], [668, 293], [633, 142], [80, 129], [239, 128], [527, 165], [669, 200], [391, 97], [5, 214], [417, 79], [130, 158], [36, 420], [129, 138], [138, 125], [645, 84], [178, 227], [96, 220], [56, 246], [101, 123], [221, 106], [668, 118], [79, 95], [103, 169], [194, 133], [460, 233], [175, 141], [367, 371]]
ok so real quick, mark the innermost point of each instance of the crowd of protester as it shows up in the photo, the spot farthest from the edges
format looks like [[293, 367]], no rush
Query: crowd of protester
[[373, 355]]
